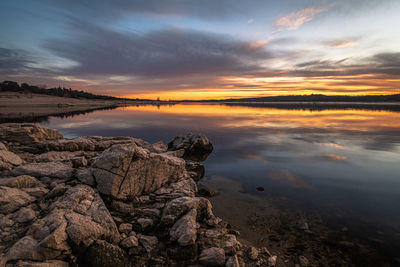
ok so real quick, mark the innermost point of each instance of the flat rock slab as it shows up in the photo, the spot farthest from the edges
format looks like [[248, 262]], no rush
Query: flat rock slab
[[127, 171], [47, 169], [27, 133]]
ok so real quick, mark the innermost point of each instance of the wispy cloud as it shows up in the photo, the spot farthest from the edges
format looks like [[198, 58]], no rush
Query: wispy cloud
[[295, 19]]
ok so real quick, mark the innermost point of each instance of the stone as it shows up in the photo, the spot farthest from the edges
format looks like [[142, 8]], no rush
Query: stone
[[57, 156], [8, 160], [232, 262], [197, 147], [47, 169], [127, 171], [85, 175], [27, 133], [195, 170], [185, 229], [22, 181], [148, 242], [252, 253], [25, 214], [145, 223], [129, 242], [23, 249], [159, 147], [11, 199], [104, 254], [212, 257], [125, 228], [50, 263], [78, 162], [303, 261], [272, 260]]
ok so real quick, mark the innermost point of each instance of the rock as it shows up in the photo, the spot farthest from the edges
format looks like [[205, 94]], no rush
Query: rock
[[260, 189], [25, 214], [182, 188], [159, 147], [197, 147], [129, 242], [177, 207], [36, 192], [303, 261], [8, 160], [23, 249], [125, 228], [175, 153], [232, 262], [22, 181], [48, 169], [145, 223], [51, 263], [185, 229], [126, 171], [272, 260], [195, 170], [11, 199], [57, 156], [27, 133], [212, 257], [79, 162], [85, 175], [148, 242], [104, 254], [204, 192], [252, 253]]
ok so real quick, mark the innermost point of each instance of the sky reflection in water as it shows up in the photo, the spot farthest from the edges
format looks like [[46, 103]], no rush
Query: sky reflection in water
[[342, 162]]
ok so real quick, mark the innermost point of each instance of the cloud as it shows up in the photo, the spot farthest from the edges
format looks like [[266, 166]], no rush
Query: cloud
[[167, 52], [13, 60], [341, 43], [250, 21], [287, 178], [295, 19]]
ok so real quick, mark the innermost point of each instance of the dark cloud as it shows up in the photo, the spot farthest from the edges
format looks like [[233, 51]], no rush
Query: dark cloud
[[168, 52], [12, 60]]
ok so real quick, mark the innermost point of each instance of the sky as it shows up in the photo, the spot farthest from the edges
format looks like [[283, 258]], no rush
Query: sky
[[204, 49]]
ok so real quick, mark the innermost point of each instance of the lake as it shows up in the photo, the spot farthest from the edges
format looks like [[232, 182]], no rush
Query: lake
[[330, 178]]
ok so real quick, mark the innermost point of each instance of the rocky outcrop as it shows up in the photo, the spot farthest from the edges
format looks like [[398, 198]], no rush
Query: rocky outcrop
[[196, 147], [95, 201], [26, 133]]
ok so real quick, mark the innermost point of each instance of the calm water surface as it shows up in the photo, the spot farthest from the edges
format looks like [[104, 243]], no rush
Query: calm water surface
[[340, 165]]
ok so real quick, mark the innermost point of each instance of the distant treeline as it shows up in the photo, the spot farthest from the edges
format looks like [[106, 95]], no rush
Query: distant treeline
[[320, 98], [59, 91]]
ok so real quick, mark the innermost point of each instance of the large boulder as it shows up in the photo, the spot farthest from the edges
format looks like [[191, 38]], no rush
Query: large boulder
[[8, 160], [197, 147], [27, 133], [127, 171]]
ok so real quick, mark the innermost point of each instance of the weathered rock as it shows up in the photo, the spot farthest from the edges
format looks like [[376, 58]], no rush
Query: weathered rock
[[85, 175], [11, 199], [197, 147], [159, 147], [185, 229], [125, 228], [104, 254], [26, 133], [51, 263], [304, 262], [57, 156], [24, 249], [232, 262], [195, 170], [8, 160], [145, 223], [252, 253], [25, 214], [126, 171], [212, 257], [22, 181], [129, 242], [272, 260], [48, 169], [185, 187], [148, 242]]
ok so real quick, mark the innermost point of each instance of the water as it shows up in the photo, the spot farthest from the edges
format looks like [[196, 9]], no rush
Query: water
[[337, 170]]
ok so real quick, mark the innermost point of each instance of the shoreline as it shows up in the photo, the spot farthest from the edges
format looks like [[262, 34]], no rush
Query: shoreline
[[116, 201]]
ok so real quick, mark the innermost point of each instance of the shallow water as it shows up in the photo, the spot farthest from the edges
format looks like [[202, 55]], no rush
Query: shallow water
[[342, 166]]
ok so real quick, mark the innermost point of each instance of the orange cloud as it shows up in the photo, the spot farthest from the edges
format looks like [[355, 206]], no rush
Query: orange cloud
[[345, 44], [295, 19]]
